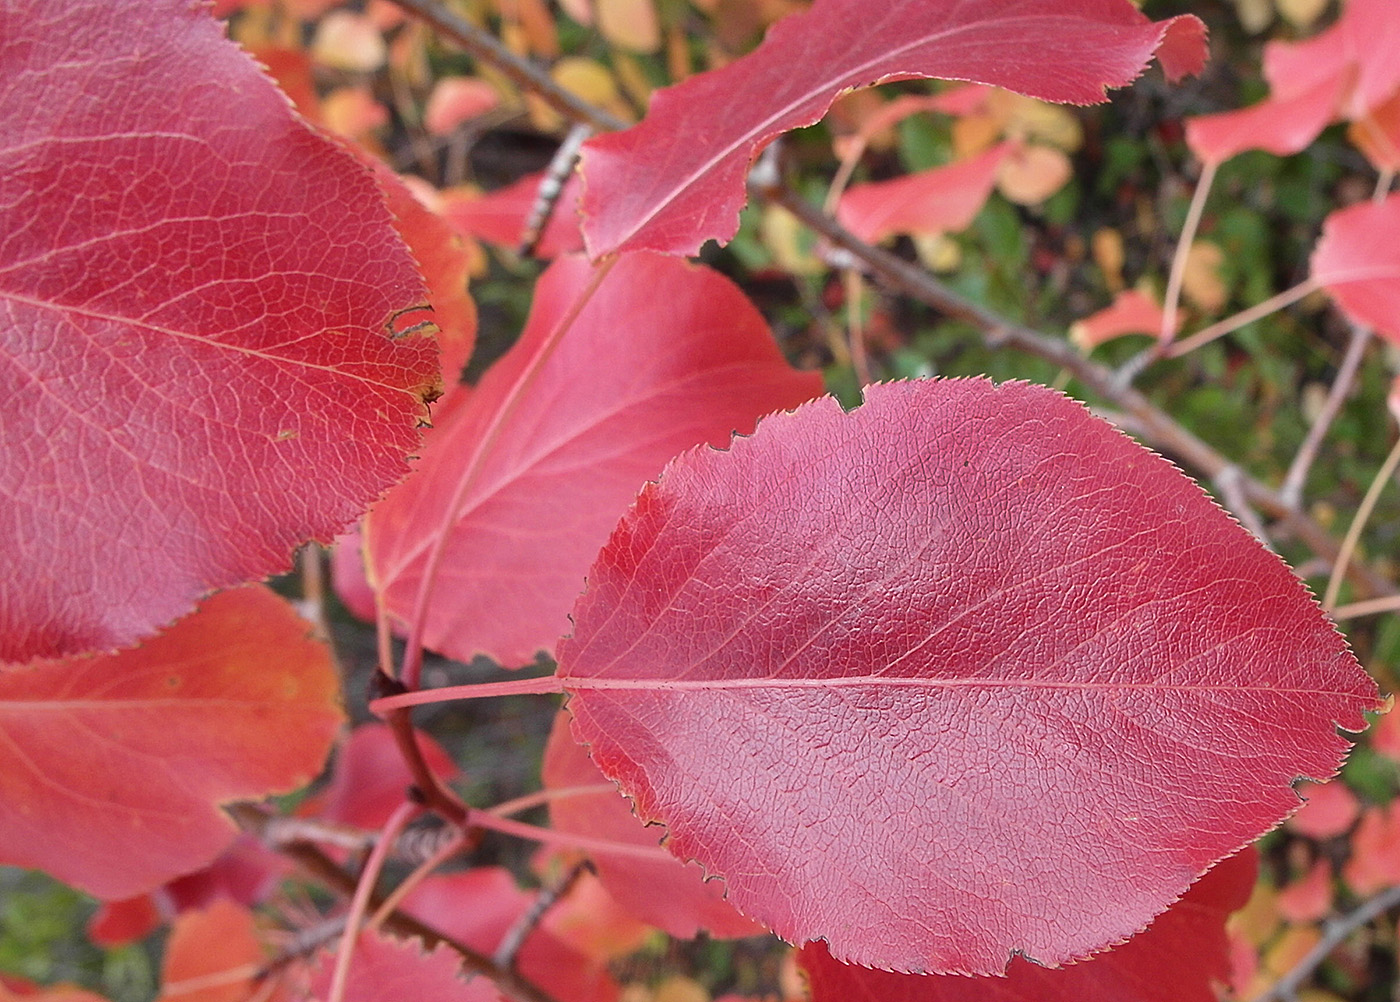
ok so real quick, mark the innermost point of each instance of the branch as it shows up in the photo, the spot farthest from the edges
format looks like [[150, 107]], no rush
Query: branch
[[325, 871], [524, 74], [1336, 933]]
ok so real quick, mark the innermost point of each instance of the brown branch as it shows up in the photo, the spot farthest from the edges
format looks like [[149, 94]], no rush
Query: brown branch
[[524, 74], [1334, 935], [327, 872]]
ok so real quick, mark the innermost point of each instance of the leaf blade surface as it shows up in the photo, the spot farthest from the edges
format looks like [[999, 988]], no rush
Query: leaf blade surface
[[645, 190], [962, 672], [198, 319]]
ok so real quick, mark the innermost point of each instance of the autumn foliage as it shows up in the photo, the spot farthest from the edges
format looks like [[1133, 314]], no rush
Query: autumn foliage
[[959, 690]]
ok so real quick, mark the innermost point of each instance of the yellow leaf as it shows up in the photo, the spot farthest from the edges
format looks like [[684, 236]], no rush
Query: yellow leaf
[[1032, 174], [1201, 282], [348, 41], [1301, 13], [1109, 254], [630, 24]]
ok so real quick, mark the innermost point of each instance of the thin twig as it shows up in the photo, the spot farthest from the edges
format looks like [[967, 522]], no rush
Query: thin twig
[[1172, 301], [327, 872], [1292, 489], [524, 74], [547, 197], [1363, 513], [1227, 481], [1244, 318], [516, 935], [1370, 607], [1336, 933]]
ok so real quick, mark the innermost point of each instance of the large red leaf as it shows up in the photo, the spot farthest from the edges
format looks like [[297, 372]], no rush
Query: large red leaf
[[1358, 260], [1180, 957], [199, 314], [668, 894], [529, 472], [645, 190], [111, 768], [962, 672]]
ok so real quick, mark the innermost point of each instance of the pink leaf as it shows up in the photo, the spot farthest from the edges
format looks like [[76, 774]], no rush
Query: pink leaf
[[1358, 260], [1132, 312], [528, 479], [370, 778], [963, 672], [643, 190], [1150, 967], [1280, 125], [1330, 810], [940, 200], [478, 907], [198, 320], [669, 895], [1309, 898], [384, 969], [1360, 49], [499, 217], [1375, 851], [234, 702]]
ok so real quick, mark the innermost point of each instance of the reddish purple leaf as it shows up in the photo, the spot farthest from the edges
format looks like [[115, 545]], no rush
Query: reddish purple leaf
[[234, 702], [644, 190], [198, 319], [1358, 260], [963, 672], [669, 894], [1180, 957], [528, 473]]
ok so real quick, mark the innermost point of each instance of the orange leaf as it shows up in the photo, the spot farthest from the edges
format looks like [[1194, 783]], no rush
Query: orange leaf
[[212, 956], [1375, 851], [233, 702]]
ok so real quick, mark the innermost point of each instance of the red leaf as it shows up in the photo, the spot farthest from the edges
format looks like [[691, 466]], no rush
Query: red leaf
[[1150, 967], [499, 217], [370, 779], [391, 970], [233, 702], [962, 672], [1358, 260], [480, 906], [669, 895], [644, 190], [531, 471], [116, 923], [932, 201], [197, 312], [1280, 125], [16, 990]]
